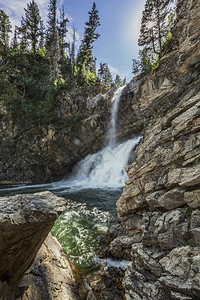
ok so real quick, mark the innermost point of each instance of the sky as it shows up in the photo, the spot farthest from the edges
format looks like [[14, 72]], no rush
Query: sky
[[119, 29]]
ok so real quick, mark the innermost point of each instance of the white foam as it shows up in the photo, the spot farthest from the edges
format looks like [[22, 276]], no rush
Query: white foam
[[108, 262]]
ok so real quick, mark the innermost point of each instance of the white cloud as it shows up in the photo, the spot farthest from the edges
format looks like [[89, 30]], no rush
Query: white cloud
[[116, 71], [113, 69], [15, 10], [70, 34]]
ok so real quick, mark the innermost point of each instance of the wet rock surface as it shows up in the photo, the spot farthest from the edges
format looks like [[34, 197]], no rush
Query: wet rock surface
[[106, 284]]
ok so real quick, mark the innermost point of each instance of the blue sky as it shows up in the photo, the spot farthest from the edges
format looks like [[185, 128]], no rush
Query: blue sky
[[120, 24]]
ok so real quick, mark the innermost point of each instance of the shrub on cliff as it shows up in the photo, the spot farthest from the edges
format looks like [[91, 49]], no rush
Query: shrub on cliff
[[155, 35]]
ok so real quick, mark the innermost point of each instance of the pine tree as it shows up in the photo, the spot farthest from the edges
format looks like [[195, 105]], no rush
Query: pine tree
[[72, 51], [62, 30], [31, 22], [155, 34], [105, 76], [124, 81], [117, 81], [5, 29], [154, 26], [52, 45], [142, 65], [51, 34], [23, 38], [42, 35], [14, 40], [85, 57]]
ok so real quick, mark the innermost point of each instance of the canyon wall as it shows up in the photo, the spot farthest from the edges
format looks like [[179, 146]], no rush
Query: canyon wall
[[46, 152], [159, 210]]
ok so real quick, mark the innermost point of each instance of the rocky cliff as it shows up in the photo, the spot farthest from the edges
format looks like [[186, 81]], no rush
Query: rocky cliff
[[33, 265], [32, 152], [159, 210], [145, 99]]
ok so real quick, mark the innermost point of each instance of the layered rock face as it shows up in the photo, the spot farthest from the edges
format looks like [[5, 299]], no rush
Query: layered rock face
[[32, 263], [148, 98], [44, 152], [159, 209]]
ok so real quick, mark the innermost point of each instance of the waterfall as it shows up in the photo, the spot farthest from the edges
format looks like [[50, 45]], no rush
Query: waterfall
[[104, 169], [93, 189], [112, 130]]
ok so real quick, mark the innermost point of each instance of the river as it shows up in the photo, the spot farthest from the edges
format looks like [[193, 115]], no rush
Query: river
[[93, 188]]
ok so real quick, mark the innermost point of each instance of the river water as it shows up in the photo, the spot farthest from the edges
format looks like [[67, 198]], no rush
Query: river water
[[93, 188]]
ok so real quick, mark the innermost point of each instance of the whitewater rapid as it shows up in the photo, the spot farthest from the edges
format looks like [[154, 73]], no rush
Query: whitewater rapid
[[93, 189], [105, 168]]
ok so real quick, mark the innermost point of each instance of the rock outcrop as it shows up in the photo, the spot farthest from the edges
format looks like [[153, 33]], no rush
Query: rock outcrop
[[33, 265], [148, 98], [159, 208], [51, 276], [39, 153]]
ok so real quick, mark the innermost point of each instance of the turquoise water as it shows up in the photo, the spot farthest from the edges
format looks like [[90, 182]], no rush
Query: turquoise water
[[89, 214], [93, 188]]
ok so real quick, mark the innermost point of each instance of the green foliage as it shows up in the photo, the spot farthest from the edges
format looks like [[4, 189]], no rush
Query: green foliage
[[86, 78], [188, 212], [30, 25], [41, 52], [143, 65], [85, 58], [178, 161], [105, 76], [62, 30], [155, 35], [168, 40], [14, 44], [36, 69], [59, 82], [52, 40], [51, 35], [155, 25], [135, 66], [5, 29], [50, 45], [28, 99], [118, 82], [89, 78], [155, 63]]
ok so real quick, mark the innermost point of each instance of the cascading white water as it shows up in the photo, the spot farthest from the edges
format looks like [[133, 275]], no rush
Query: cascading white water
[[106, 167], [112, 128], [93, 190]]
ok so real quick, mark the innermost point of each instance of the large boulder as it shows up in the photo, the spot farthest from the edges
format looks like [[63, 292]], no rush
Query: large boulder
[[33, 265], [25, 221], [51, 276]]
